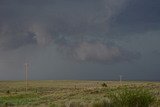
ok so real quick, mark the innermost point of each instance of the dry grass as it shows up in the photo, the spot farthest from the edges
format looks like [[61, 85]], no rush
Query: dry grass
[[51, 93]]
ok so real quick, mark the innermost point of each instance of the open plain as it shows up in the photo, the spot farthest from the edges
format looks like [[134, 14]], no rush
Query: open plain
[[74, 93]]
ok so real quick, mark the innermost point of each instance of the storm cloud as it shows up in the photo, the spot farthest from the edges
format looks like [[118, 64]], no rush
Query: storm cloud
[[58, 18], [92, 31], [28, 23], [99, 52]]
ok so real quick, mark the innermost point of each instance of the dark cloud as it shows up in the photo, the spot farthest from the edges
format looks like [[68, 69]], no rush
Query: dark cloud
[[42, 22], [81, 30], [140, 16], [13, 38], [156, 52], [98, 52]]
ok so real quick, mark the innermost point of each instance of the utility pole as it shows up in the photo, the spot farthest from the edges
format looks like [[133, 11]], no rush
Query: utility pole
[[120, 79], [26, 75]]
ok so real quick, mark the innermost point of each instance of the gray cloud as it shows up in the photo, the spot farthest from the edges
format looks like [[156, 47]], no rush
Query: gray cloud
[[139, 17], [98, 52], [61, 23], [156, 52], [79, 38], [58, 17], [13, 38]]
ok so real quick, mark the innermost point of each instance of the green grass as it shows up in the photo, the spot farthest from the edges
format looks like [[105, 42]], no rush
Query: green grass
[[18, 99], [79, 93], [133, 97]]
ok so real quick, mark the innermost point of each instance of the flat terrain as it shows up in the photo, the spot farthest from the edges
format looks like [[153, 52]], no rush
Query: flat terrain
[[50, 93]]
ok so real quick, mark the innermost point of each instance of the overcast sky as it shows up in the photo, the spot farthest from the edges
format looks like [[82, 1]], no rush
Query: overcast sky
[[80, 39]]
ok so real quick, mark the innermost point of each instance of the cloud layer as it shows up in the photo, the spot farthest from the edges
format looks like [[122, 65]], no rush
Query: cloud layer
[[62, 23], [55, 35], [98, 52]]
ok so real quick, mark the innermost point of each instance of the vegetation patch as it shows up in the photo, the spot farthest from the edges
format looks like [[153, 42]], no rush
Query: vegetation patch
[[135, 97], [19, 99]]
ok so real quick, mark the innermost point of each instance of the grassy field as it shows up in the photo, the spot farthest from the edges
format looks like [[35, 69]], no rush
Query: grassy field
[[68, 93]]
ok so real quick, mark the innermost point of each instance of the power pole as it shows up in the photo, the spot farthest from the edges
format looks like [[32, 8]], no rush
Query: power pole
[[26, 75], [120, 79]]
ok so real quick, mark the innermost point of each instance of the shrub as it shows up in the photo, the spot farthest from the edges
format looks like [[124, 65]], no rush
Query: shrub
[[132, 98], [104, 85], [8, 92]]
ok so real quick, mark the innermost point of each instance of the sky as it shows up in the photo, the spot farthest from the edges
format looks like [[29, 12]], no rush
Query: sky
[[80, 39]]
